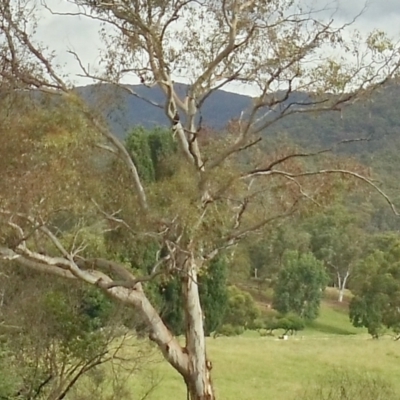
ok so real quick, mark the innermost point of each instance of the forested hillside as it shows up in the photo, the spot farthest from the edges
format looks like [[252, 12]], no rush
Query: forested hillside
[[375, 118], [372, 122], [124, 111]]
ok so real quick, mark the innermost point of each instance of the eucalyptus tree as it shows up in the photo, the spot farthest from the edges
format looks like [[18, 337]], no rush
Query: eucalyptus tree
[[338, 240], [296, 58], [376, 289], [300, 285]]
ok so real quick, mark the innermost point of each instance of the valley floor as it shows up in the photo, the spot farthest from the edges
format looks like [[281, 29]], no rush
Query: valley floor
[[250, 367]]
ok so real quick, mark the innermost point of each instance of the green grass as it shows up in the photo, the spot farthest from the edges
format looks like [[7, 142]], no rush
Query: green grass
[[251, 367], [254, 368], [332, 321]]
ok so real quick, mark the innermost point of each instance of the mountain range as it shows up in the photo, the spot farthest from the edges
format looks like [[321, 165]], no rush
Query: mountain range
[[124, 111], [376, 118]]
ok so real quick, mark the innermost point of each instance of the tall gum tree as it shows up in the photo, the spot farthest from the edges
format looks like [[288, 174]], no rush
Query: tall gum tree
[[337, 239], [298, 59]]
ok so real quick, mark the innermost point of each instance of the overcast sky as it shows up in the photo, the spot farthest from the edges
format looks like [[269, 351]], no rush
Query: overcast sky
[[81, 34]]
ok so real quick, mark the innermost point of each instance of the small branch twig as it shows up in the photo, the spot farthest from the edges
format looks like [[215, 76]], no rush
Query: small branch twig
[[262, 172]]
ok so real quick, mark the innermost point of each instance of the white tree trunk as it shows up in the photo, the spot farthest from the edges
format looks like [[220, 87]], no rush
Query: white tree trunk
[[198, 379], [342, 285]]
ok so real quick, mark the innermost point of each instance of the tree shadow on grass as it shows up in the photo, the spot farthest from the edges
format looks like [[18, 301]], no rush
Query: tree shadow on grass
[[331, 329]]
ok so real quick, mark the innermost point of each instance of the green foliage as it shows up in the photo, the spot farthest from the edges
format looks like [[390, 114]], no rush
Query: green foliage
[[49, 148], [153, 153], [267, 254], [229, 330], [375, 118], [377, 292], [289, 323], [139, 148], [271, 324], [213, 298], [300, 285], [214, 294], [167, 295], [336, 240], [150, 151], [170, 305], [73, 320], [96, 307], [258, 324], [8, 379], [242, 310], [52, 335], [367, 312]]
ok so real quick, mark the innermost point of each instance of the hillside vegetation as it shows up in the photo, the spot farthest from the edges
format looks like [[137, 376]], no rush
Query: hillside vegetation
[[375, 118]]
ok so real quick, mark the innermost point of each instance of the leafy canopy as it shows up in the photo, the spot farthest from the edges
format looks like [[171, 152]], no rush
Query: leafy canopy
[[376, 301], [300, 285]]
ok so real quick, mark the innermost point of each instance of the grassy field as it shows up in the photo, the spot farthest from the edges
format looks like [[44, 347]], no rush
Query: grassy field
[[251, 367]]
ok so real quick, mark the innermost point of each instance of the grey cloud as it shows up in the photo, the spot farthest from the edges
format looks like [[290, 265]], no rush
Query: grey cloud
[[63, 33], [376, 9], [370, 14], [377, 14], [81, 34]]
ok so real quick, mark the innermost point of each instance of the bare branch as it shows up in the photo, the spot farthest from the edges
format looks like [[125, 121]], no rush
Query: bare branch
[[169, 346], [303, 193], [311, 154], [126, 158], [261, 172], [126, 88], [129, 280], [10, 255], [234, 237]]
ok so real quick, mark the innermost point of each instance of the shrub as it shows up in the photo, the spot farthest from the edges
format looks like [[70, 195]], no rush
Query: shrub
[[257, 324], [229, 330], [300, 284], [290, 323], [242, 310]]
